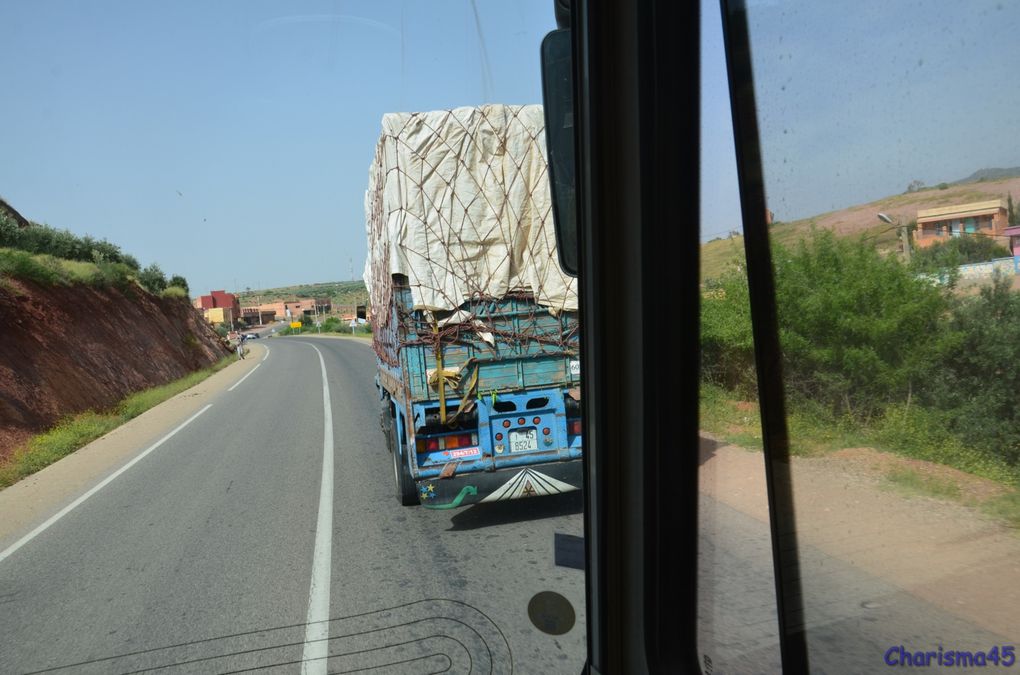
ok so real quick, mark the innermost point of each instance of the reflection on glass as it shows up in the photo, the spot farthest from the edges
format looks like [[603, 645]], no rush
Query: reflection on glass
[[886, 154]]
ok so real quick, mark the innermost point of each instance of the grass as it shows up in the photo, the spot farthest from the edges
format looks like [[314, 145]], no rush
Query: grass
[[1005, 507], [174, 292], [49, 271], [328, 328], [79, 430], [918, 435], [912, 483]]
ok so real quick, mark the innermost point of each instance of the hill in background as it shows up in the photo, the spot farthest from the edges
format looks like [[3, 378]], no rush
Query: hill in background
[[339, 292], [859, 220]]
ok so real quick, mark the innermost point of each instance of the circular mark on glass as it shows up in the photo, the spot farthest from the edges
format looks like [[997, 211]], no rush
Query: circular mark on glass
[[551, 613]]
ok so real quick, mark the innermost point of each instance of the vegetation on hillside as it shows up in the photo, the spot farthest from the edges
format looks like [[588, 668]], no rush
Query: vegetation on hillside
[[340, 293], [875, 353], [331, 325], [50, 256], [945, 256]]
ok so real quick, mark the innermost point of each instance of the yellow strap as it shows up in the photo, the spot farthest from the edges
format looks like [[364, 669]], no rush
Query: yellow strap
[[466, 398], [440, 373]]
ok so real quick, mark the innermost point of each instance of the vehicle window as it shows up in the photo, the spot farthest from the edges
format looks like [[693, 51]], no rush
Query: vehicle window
[[737, 620], [888, 179], [289, 372]]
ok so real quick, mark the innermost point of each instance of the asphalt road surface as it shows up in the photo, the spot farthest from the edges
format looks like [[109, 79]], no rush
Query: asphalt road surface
[[223, 550], [209, 555]]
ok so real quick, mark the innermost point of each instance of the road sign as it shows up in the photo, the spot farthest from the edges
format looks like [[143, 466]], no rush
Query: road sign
[[295, 324]]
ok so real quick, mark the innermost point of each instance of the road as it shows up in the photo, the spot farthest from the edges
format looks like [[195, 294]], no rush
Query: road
[[214, 550], [201, 554]]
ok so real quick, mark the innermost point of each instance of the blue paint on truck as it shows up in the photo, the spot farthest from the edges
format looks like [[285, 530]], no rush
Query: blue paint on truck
[[481, 403]]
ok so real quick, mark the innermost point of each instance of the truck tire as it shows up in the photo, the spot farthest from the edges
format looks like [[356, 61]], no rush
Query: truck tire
[[386, 423], [407, 491]]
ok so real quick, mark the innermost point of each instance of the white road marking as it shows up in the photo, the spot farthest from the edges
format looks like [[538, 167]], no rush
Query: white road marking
[[237, 384], [266, 356], [316, 650], [106, 481]]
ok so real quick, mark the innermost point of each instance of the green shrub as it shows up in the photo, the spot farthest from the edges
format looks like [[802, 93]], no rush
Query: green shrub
[[152, 279], [21, 265], [42, 239], [174, 292]]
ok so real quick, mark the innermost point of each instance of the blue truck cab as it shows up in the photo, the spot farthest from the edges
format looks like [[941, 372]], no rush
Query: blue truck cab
[[481, 403]]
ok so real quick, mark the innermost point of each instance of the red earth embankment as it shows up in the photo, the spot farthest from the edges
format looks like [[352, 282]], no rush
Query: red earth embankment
[[67, 349]]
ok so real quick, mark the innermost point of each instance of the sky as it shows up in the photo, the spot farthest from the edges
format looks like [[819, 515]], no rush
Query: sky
[[230, 141]]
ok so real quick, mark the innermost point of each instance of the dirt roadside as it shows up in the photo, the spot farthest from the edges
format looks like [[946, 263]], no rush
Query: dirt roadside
[[946, 553], [30, 501]]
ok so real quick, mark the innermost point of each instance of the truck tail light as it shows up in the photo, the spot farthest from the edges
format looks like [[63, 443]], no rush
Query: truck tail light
[[459, 441], [432, 444], [575, 427]]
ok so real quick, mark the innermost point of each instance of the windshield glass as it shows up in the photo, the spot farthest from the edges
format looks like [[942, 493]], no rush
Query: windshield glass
[[888, 173], [289, 374]]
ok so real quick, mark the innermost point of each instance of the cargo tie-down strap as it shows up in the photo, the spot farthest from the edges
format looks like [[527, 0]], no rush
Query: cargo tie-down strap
[[443, 377]]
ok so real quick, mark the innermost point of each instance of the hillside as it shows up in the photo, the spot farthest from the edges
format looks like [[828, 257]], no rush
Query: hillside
[[339, 292], [863, 220], [68, 348]]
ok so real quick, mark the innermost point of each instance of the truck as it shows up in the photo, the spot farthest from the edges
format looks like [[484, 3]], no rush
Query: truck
[[475, 326]]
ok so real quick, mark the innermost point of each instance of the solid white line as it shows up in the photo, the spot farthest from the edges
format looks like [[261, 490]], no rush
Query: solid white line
[[106, 481], [316, 650], [236, 384], [266, 356]]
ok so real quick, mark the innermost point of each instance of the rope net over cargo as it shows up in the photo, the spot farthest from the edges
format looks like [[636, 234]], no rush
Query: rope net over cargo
[[458, 203]]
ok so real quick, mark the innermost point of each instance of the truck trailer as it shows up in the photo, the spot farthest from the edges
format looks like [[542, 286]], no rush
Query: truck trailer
[[475, 327]]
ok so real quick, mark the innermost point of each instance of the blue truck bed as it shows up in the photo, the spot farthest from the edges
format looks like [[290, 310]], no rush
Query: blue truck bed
[[480, 403]]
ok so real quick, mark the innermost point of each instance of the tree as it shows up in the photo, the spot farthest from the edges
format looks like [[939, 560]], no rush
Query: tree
[[948, 255], [977, 379], [178, 280], [857, 328], [915, 185], [152, 279]]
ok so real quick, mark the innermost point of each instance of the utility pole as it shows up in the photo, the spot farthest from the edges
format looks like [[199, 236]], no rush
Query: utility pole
[[905, 239]]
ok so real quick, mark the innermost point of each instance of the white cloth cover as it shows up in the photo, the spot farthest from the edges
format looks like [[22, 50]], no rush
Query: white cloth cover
[[458, 201]]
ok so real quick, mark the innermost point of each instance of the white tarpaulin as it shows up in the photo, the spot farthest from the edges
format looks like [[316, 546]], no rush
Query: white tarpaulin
[[458, 201]]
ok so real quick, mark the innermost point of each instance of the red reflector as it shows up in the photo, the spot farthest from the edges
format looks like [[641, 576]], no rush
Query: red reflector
[[546, 431], [432, 444], [521, 421], [537, 420], [575, 427], [499, 437], [506, 423], [465, 440]]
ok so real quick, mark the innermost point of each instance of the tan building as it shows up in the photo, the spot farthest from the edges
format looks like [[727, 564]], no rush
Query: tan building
[[297, 308], [218, 315], [976, 218]]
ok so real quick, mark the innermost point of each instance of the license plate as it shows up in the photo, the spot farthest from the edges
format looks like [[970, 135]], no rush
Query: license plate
[[524, 441]]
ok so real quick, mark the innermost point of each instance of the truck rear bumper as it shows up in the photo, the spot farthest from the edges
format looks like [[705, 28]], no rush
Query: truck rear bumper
[[491, 486]]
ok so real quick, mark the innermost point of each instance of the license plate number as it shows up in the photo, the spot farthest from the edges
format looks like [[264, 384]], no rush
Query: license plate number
[[524, 441]]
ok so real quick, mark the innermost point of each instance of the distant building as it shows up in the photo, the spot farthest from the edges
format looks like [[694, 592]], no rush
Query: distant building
[[978, 218], [220, 300], [257, 316], [220, 315], [1014, 239]]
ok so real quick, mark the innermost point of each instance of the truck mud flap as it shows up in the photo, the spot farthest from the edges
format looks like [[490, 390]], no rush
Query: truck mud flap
[[520, 482]]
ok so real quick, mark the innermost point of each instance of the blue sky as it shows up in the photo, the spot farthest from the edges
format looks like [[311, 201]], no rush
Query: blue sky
[[230, 141]]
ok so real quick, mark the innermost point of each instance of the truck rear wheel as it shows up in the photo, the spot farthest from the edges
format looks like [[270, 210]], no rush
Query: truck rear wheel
[[407, 491]]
